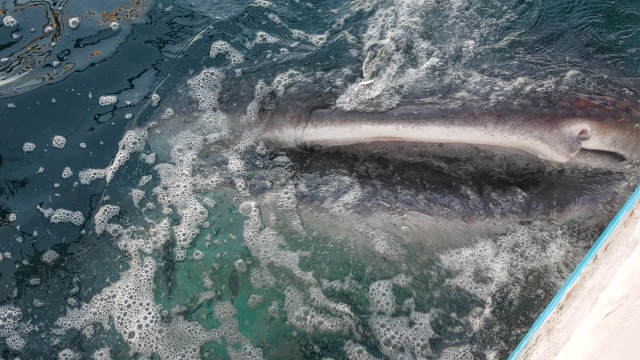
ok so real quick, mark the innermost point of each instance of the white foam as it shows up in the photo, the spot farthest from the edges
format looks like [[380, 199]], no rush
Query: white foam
[[9, 21], [28, 147], [106, 100], [103, 216], [58, 216], [205, 88], [15, 343], [315, 39], [88, 175], [130, 304], [74, 22], [64, 216], [102, 354], [68, 354], [234, 56], [132, 142], [49, 256], [137, 195], [356, 351], [67, 173], [144, 180], [538, 248], [59, 141], [11, 328], [155, 99]]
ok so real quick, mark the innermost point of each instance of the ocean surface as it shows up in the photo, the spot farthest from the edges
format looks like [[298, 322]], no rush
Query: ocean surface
[[140, 218]]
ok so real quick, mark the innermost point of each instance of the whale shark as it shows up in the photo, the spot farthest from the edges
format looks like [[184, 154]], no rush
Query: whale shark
[[455, 172]]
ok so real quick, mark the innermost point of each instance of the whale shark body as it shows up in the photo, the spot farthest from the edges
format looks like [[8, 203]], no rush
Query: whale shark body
[[459, 172]]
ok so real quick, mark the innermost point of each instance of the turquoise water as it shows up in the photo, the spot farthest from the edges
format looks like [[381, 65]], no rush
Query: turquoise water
[[225, 247]]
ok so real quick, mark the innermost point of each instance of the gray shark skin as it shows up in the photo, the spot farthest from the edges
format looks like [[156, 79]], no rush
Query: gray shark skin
[[590, 131]]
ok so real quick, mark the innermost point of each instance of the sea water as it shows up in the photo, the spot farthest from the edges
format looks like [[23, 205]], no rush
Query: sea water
[[140, 218]]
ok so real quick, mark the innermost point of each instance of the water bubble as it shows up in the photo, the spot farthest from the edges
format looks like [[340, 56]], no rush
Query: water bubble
[[155, 100], [28, 147], [59, 141], [9, 21], [241, 265], [49, 257], [74, 22], [67, 173], [106, 100], [245, 208]]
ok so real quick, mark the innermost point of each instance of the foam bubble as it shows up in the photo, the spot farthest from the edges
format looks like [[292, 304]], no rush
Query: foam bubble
[[15, 342], [102, 354], [67, 173], [35, 281], [315, 39], [144, 180], [49, 256], [167, 114], [58, 216], [10, 327], [63, 216], [103, 216], [74, 22], [59, 141], [28, 147], [254, 300], [148, 158], [155, 99], [130, 305], [356, 351], [136, 196], [132, 142], [307, 318], [198, 255], [458, 353], [205, 88], [240, 265], [234, 56], [262, 38], [68, 354], [88, 175], [9, 21], [106, 100]]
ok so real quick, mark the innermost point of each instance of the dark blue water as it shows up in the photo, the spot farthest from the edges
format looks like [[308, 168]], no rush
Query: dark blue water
[[194, 240]]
